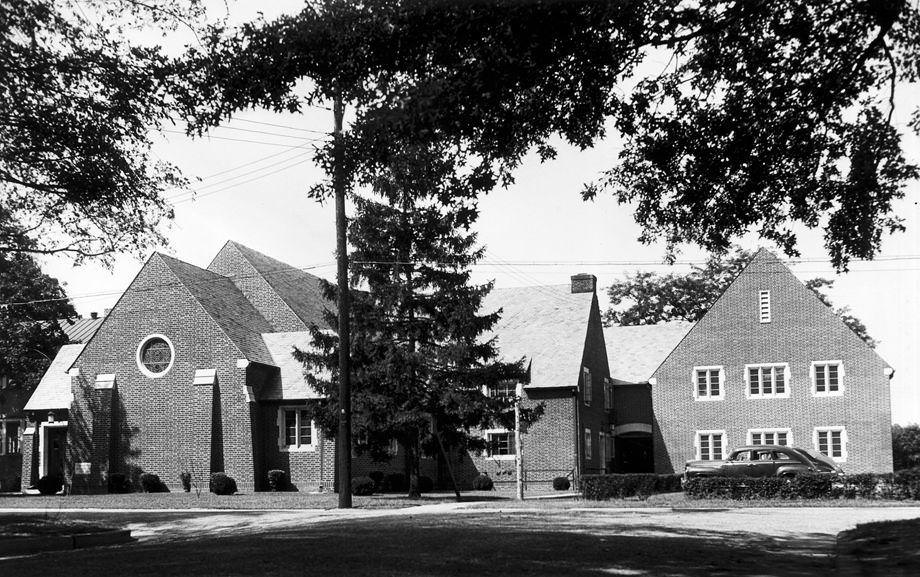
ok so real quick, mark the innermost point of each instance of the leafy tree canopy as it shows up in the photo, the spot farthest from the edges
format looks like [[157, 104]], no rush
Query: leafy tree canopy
[[29, 333], [78, 102], [769, 114], [905, 444], [649, 298]]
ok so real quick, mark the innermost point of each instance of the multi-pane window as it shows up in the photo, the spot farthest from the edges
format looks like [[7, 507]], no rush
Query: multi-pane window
[[9, 438], [828, 378], [770, 437], [764, 302], [588, 449], [500, 443], [608, 394], [832, 442], [767, 381], [707, 382], [709, 445], [586, 382], [156, 355], [298, 428], [503, 390]]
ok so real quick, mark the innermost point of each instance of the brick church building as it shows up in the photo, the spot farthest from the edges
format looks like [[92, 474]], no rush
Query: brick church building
[[192, 371]]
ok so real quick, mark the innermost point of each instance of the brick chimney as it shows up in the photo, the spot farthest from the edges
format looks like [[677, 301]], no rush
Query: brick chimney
[[94, 315], [584, 283]]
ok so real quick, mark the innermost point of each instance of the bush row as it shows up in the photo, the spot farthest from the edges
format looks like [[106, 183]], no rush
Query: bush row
[[620, 486], [903, 485]]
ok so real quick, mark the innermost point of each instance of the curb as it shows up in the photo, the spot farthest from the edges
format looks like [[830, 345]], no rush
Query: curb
[[30, 545]]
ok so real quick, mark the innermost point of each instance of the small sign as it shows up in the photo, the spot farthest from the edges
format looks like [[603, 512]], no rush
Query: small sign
[[82, 468]]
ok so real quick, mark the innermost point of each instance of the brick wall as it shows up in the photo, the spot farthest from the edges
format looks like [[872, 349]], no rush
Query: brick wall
[[160, 425], [594, 417], [802, 330]]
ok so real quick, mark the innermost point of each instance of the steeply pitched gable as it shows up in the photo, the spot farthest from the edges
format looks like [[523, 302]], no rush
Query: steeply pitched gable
[[289, 298], [547, 325], [225, 303], [634, 352]]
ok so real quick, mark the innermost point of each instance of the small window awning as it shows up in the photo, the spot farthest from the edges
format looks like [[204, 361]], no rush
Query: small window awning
[[105, 381], [205, 377]]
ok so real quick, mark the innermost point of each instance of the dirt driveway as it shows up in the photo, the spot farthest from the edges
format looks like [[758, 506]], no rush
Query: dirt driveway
[[447, 540]]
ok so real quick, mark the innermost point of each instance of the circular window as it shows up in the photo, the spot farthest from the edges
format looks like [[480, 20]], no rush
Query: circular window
[[155, 356]]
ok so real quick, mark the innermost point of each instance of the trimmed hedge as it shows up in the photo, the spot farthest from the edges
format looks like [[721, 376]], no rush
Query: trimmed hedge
[[277, 480], [900, 486], [50, 485], [425, 484], [561, 484], [222, 484], [120, 483], [483, 483], [396, 483], [186, 479], [362, 486], [621, 486], [151, 483]]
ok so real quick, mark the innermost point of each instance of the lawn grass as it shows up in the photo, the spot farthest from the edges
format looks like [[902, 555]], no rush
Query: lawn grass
[[18, 526]]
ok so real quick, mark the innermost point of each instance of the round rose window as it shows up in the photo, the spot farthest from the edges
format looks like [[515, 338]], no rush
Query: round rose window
[[155, 356]]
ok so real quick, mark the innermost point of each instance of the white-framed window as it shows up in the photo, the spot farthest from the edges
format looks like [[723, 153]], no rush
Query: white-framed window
[[777, 436], [506, 389], [10, 430], [500, 444], [296, 429], [602, 449], [832, 441], [587, 391], [608, 394], [708, 383], [767, 381], [588, 444], [710, 445], [827, 378], [764, 302], [155, 356]]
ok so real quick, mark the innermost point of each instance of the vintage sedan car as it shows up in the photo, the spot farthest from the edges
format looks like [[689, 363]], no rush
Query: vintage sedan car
[[764, 461]]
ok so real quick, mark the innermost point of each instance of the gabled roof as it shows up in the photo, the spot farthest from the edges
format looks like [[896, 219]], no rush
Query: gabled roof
[[547, 325], [80, 330], [300, 290], [634, 352], [53, 391], [225, 303], [290, 383]]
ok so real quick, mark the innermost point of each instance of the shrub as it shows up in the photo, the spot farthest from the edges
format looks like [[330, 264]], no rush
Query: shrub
[[804, 486], [277, 480], [395, 482], [186, 479], [50, 484], [119, 483], [483, 483], [362, 486], [151, 483], [561, 484], [377, 477], [621, 486], [425, 484], [222, 484]]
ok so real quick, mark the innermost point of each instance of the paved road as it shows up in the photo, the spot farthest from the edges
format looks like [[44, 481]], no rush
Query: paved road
[[452, 540]]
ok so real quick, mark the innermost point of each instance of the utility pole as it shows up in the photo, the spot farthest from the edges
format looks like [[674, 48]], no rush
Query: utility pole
[[518, 445], [343, 449]]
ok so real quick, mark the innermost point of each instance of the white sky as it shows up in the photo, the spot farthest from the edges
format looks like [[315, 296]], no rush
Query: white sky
[[540, 219]]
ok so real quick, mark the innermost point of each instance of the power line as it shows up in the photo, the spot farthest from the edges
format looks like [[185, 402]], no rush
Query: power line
[[268, 132], [232, 178], [232, 139], [281, 126], [234, 185]]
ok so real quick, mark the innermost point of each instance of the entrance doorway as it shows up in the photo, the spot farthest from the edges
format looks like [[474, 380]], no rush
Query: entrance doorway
[[633, 453], [53, 447]]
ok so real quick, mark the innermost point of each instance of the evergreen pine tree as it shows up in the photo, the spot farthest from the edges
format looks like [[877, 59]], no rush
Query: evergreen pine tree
[[421, 364]]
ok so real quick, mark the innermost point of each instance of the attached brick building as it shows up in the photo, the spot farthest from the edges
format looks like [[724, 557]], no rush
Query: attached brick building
[[768, 363]]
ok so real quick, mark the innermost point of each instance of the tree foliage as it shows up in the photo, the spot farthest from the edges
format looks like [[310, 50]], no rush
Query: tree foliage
[[769, 114], [905, 444], [648, 298], [421, 363], [29, 332], [78, 102]]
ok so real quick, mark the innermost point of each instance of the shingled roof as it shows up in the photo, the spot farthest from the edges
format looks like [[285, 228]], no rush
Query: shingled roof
[[634, 352], [300, 290], [80, 330], [225, 303], [546, 325], [290, 382], [53, 391]]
